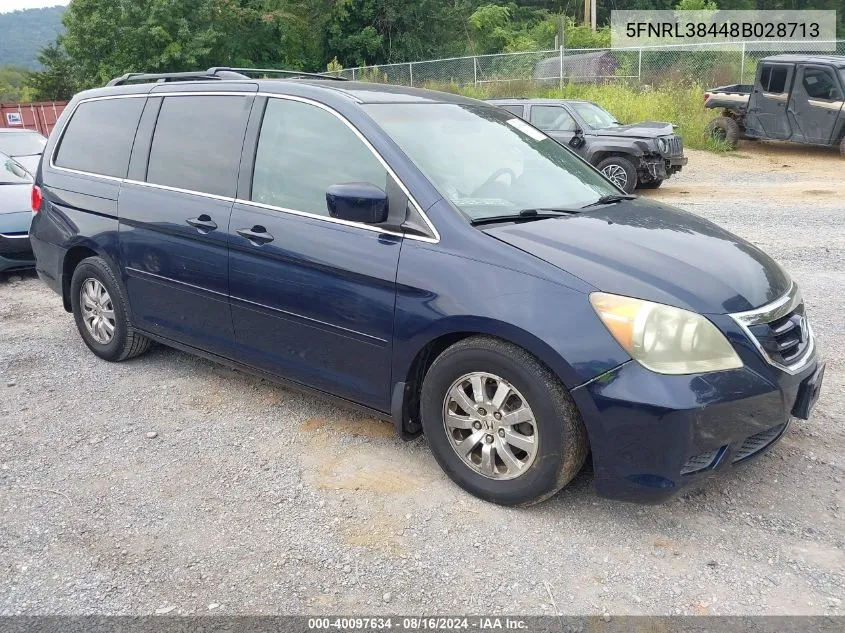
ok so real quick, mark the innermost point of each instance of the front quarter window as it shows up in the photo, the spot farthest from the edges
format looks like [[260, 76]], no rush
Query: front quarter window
[[487, 162]]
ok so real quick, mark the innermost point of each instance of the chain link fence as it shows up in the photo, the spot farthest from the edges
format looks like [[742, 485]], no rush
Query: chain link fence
[[709, 64]]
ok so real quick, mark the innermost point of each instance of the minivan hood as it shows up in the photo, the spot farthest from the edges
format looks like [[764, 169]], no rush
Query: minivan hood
[[652, 251], [646, 129]]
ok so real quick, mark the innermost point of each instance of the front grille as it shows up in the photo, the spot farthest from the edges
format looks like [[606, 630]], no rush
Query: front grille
[[785, 339], [756, 443], [675, 146], [700, 462]]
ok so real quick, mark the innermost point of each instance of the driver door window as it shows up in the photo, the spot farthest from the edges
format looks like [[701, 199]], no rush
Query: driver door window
[[552, 119], [821, 84], [302, 151]]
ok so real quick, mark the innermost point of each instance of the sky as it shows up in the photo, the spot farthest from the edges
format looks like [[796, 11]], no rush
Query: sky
[[14, 5]]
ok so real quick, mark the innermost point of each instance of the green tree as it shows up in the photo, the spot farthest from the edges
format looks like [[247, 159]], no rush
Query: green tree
[[57, 82]]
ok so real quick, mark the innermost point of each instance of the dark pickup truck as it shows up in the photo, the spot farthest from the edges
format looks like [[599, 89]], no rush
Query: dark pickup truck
[[630, 156], [794, 98]]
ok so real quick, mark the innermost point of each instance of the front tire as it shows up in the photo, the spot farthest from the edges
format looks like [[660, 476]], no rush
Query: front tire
[[101, 312], [500, 424], [620, 171]]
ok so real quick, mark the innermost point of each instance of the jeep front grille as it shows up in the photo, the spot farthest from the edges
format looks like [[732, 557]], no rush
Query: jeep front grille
[[675, 146]]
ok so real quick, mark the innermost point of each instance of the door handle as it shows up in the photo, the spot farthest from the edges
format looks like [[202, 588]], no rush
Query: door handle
[[258, 235], [204, 223]]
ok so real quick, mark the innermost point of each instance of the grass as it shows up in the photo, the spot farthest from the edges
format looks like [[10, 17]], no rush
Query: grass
[[681, 104]]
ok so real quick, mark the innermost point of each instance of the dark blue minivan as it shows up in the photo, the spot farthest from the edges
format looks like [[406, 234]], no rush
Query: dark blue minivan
[[430, 259]]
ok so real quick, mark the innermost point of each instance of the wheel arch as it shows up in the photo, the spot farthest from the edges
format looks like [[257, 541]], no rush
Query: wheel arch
[[442, 335], [72, 258]]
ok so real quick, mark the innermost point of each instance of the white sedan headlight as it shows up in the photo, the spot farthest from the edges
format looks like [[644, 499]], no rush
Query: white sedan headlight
[[664, 339]]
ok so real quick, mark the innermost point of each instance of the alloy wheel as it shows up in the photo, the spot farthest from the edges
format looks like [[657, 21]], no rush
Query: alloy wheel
[[616, 175], [490, 426], [97, 311]]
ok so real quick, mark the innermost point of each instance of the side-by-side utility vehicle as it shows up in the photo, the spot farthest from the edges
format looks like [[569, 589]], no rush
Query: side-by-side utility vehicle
[[795, 98]]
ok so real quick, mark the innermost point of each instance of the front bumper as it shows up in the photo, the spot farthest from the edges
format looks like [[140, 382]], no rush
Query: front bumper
[[653, 436], [660, 167]]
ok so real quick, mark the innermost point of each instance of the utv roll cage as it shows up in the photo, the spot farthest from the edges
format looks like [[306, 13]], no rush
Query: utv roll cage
[[215, 73]]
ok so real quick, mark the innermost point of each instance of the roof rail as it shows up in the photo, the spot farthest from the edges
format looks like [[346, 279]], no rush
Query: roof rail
[[164, 77], [273, 71], [215, 74]]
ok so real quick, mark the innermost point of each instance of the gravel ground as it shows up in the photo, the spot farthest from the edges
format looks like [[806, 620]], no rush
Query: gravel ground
[[169, 484]]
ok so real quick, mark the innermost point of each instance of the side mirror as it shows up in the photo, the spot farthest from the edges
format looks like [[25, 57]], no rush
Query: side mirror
[[577, 139], [357, 202]]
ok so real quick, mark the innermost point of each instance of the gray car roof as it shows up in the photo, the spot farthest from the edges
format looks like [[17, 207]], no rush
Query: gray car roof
[[834, 60], [527, 100]]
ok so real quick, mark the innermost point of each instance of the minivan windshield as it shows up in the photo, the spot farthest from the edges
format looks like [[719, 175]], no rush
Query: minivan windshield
[[596, 117], [11, 173], [22, 143], [488, 162]]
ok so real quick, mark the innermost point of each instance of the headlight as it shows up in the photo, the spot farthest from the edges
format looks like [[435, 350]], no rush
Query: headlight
[[662, 145], [664, 339]]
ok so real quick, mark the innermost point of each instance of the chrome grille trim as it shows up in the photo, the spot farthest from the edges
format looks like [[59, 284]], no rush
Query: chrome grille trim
[[772, 312]]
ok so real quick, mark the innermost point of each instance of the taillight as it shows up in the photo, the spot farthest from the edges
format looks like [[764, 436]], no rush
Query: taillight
[[37, 199], [706, 96]]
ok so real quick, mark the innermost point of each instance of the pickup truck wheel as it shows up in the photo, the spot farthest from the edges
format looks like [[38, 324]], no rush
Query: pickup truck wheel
[[500, 424], [620, 171], [842, 147], [724, 128], [651, 184]]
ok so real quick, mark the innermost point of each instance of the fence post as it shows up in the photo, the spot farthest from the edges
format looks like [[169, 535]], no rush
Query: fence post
[[561, 68], [353, 74], [640, 67], [742, 65], [475, 70], [411, 72]]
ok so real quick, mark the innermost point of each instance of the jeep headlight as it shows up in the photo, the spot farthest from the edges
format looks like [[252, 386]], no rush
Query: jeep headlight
[[664, 339], [662, 144]]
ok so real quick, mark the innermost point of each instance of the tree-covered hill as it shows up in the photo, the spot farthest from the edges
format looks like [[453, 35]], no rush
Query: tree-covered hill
[[24, 33]]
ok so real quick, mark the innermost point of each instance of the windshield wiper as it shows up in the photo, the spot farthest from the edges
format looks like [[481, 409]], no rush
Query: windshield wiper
[[609, 199], [526, 215]]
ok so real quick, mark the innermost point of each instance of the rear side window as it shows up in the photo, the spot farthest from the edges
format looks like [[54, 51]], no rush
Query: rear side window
[[197, 143], [773, 79], [302, 151], [98, 139], [518, 110]]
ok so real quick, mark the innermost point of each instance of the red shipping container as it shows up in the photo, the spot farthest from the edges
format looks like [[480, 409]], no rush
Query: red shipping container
[[40, 117]]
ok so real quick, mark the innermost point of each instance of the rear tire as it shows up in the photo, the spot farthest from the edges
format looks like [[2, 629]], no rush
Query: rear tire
[[620, 171], [101, 312], [725, 129], [538, 414]]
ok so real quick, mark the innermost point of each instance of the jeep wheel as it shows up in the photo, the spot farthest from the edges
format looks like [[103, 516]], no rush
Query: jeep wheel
[[724, 129], [620, 171], [500, 424]]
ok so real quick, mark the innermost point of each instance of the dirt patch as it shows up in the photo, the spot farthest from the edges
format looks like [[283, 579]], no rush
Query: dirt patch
[[366, 427]]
